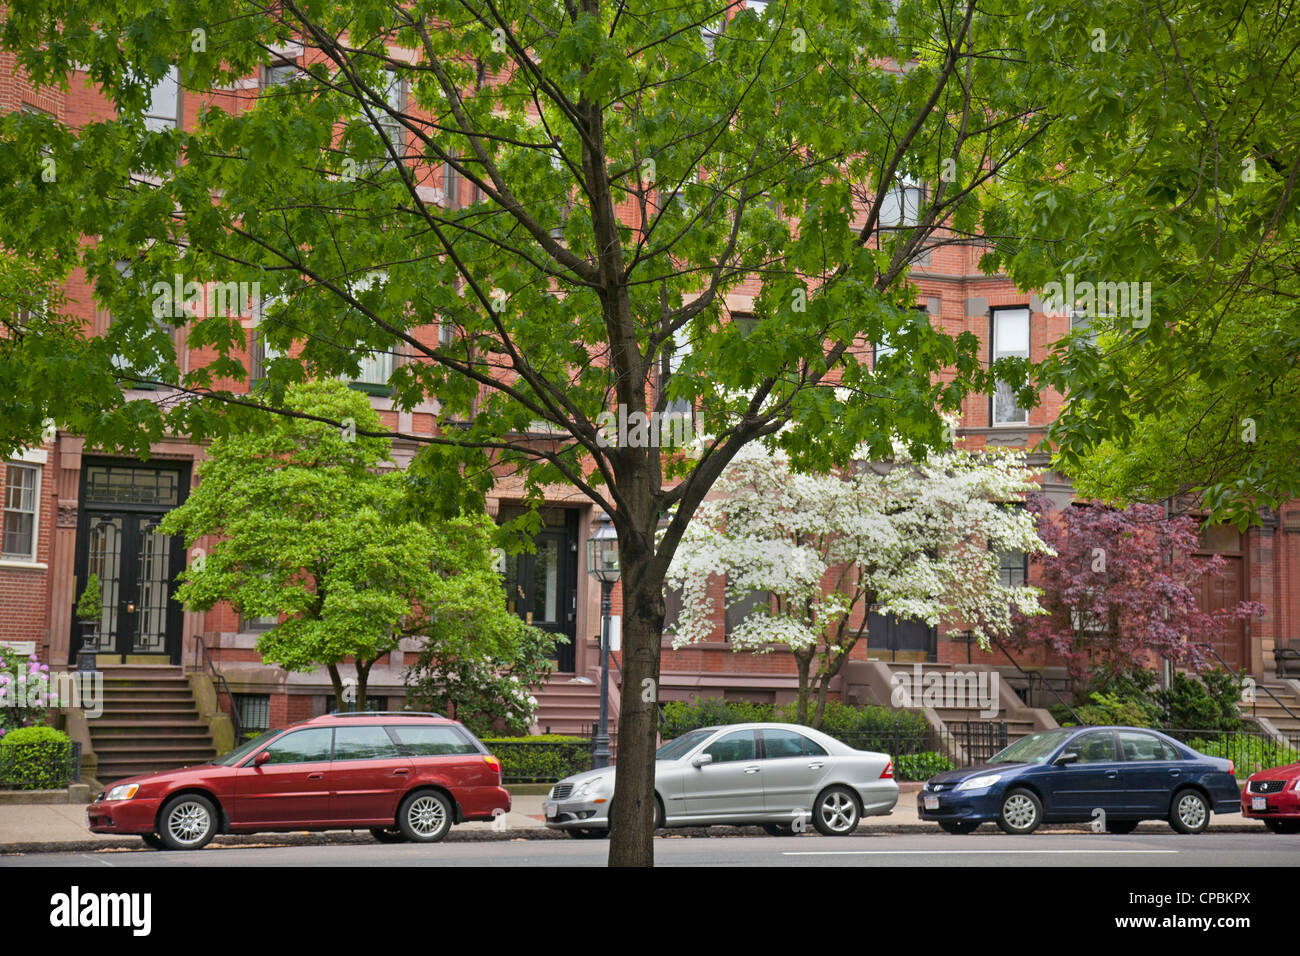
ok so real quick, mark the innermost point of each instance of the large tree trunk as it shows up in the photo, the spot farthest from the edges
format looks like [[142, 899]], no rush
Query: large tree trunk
[[632, 824]]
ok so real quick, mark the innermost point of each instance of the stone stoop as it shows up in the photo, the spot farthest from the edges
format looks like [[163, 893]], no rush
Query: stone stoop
[[151, 721], [570, 705]]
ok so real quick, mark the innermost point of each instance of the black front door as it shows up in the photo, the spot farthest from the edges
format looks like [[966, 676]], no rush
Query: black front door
[[542, 587], [118, 540]]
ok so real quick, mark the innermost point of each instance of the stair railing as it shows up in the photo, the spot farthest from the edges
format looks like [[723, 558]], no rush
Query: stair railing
[[1255, 685], [219, 681], [1030, 675]]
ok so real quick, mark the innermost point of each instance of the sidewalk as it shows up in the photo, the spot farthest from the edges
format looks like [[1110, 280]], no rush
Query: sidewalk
[[49, 828]]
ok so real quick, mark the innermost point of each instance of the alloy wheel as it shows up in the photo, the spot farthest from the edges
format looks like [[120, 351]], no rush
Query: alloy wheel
[[837, 813]]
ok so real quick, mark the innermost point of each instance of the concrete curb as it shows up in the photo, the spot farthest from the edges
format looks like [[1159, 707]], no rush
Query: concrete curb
[[347, 837]]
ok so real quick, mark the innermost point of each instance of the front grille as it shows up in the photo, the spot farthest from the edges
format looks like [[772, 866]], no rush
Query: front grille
[[1267, 786], [561, 790]]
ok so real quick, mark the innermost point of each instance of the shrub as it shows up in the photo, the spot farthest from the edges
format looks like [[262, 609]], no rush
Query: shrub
[[35, 758], [920, 766], [1247, 751], [679, 717], [868, 727], [865, 728], [1205, 703], [1112, 709], [541, 759]]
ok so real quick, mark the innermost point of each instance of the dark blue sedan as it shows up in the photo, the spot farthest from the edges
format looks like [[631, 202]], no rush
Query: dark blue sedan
[[1117, 776]]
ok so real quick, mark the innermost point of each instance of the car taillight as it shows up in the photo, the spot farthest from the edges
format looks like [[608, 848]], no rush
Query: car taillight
[[1232, 769], [493, 762], [888, 772]]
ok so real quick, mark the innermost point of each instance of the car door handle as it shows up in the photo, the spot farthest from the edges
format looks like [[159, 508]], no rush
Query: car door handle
[[751, 770], [1112, 774], [1175, 773], [814, 766], [399, 773], [315, 776]]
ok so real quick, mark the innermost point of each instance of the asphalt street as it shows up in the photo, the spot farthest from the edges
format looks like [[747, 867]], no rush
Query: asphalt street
[[1223, 850]]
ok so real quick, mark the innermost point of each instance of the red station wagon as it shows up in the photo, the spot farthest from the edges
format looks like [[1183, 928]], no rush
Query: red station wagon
[[402, 775]]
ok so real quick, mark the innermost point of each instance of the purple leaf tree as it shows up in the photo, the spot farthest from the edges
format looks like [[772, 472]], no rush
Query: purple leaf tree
[[1123, 590]]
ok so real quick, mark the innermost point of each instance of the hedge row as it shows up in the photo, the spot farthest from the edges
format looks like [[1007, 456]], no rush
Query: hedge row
[[35, 758]]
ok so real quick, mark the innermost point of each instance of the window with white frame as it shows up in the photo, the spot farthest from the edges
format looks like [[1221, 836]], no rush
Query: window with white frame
[[262, 353], [390, 127], [279, 74], [376, 368], [1010, 332], [451, 180], [21, 512], [900, 207], [681, 348], [164, 110]]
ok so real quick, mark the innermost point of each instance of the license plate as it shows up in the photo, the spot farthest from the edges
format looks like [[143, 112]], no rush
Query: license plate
[[931, 803], [549, 809], [1259, 803]]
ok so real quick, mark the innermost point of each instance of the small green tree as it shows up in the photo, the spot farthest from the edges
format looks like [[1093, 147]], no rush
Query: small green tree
[[310, 531], [90, 606]]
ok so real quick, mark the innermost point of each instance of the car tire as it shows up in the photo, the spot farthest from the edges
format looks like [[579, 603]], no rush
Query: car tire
[[1021, 814], [1120, 827], [1190, 812], [388, 834], [836, 812], [1283, 826], [960, 827], [187, 822], [153, 841], [425, 816]]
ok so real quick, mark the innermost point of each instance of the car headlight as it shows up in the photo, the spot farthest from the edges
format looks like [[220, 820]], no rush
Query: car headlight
[[979, 783], [124, 792], [593, 786]]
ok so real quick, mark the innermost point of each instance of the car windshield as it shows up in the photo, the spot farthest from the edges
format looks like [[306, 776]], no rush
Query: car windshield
[[683, 744], [243, 750], [1035, 748]]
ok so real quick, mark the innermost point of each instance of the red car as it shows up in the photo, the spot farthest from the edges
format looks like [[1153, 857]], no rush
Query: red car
[[403, 776], [1274, 797]]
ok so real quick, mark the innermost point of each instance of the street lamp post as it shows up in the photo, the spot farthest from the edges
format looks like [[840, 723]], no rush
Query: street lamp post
[[602, 564]]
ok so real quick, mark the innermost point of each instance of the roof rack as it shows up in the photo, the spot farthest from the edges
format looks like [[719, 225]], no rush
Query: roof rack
[[385, 713]]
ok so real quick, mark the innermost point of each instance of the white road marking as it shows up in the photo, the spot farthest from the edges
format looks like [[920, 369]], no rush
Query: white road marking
[[952, 852]]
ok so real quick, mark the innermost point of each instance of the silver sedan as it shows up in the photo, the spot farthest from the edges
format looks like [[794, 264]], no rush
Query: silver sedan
[[778, 776]]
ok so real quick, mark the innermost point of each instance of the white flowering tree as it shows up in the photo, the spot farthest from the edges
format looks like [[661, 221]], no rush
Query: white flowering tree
[[917, 539]]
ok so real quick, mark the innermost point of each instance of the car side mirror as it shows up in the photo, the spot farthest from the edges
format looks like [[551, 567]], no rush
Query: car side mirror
[[702, 760], [261, 758], [1066, 759]]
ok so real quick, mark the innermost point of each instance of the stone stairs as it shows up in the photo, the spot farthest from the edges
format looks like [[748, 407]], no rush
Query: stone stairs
[[150, 722], [1288, 691], [569, 704]]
